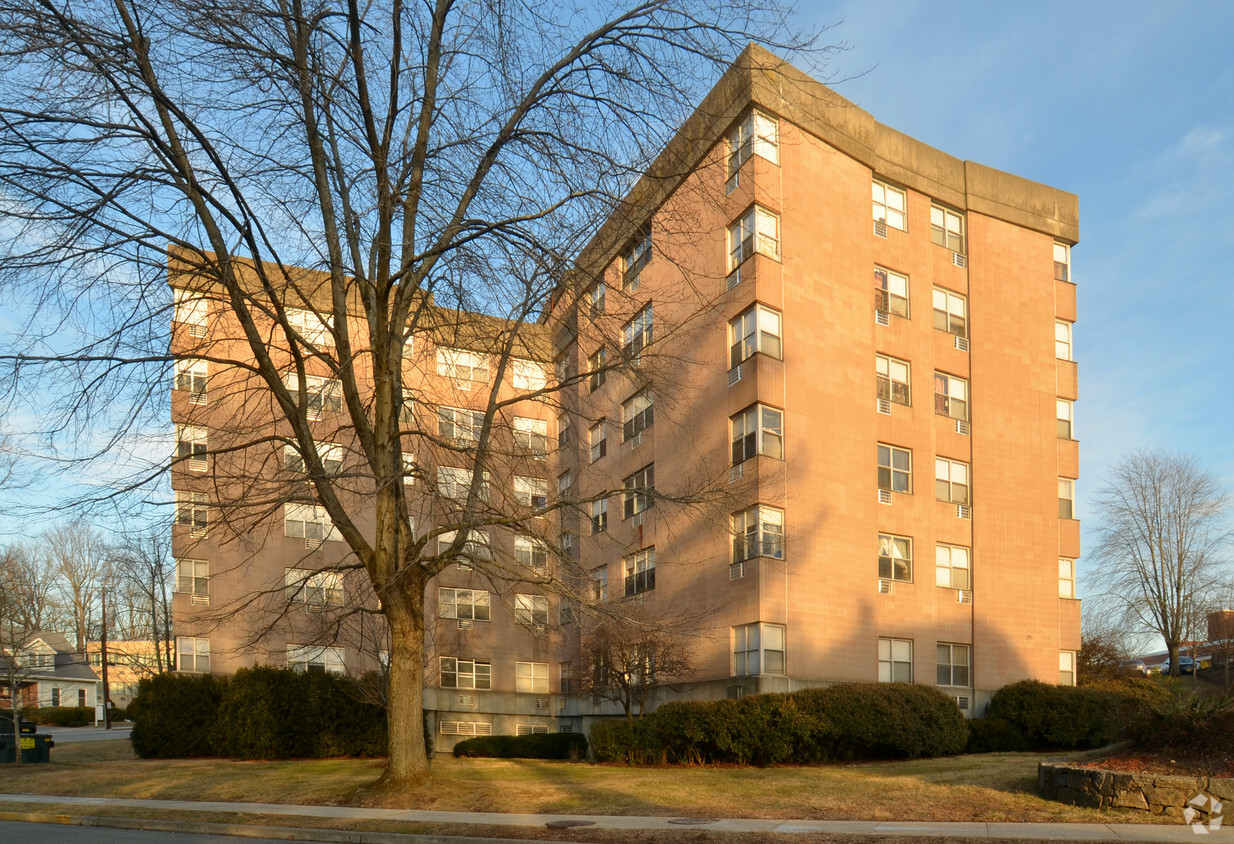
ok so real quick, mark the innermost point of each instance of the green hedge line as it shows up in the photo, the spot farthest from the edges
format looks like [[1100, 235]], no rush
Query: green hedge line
[[831, 724], [258, 713], [536, 746], [57, 716]]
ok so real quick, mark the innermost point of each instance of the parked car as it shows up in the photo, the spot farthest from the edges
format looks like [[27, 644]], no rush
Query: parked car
[[1135, 668], [1186, 665]]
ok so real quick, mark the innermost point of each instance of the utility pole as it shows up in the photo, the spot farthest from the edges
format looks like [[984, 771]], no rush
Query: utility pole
[[103, 656], [14, 683]]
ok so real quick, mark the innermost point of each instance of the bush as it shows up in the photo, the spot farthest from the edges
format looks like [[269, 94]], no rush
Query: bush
[[535, 746], [624, 740], [994, 735], [883, 721], [60, 716], [1065, 717], [176, 715], [1186, 724]]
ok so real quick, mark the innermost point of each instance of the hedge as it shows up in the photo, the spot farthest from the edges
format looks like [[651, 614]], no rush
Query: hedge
[[1031, 715], [535, 746], [59, 716]]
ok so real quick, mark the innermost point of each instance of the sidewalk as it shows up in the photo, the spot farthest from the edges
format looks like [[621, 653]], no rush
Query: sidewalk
[[1174, 832]]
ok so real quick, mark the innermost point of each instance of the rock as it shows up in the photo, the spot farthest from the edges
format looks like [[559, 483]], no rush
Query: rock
[[1157, 795], [1130, 799], [1222, 788], [1066, 795]]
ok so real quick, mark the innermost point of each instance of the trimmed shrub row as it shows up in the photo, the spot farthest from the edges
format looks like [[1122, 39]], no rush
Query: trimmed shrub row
[[536, 746], [257, 713], [831, 724], [60, 716]]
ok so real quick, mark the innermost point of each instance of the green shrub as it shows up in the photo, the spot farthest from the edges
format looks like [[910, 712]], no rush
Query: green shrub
[[60, 716], [119, 713], [535, 746], [176, 716], [1185, 723], [994, 735], [882, 721], [625, 740], [1064, 717]]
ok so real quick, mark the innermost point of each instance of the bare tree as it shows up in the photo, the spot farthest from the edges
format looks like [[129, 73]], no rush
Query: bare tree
[[81, 558], [144, 570], [626, 656], [30, 587], [1161, 535]]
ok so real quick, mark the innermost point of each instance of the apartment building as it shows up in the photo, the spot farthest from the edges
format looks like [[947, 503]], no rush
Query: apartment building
[[806, 378]]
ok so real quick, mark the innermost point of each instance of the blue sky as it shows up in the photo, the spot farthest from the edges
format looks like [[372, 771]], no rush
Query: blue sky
[[1130, 105]]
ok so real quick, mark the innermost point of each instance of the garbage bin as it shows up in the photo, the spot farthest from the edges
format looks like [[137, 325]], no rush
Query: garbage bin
[[34, 748]]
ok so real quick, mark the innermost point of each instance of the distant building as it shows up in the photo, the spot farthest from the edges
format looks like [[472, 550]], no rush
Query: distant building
[[49, 673], [127, 664]]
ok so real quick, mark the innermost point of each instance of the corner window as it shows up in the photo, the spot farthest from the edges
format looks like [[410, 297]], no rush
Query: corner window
[[596, 373], [757, 430], [951, 481], [1062, 261], [952, 567], [595, 298], [756, 329], [758, 648], [952, 662], [640, 571], [193, 512], [1065, 412], [191, 378], [599, 516], [599, 583], [598, 441], [950, 312], [565, 430], [758, 532], [947, 228], [892, 380], [193, 310], [895, 469], [1062, 340], [895, 660], [193, 578], [950, 396], [1066, 498], [755, 134], [895, 558], [636, 334], [637, 415], [639, 491], [193, 655], [1066, 668], [890, 292], [636, 256], [890, 206], [757, 230], [1066, 578], [191, 447]]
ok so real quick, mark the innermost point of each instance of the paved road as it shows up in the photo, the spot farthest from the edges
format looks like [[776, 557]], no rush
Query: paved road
[[47, 833], [64, 735]]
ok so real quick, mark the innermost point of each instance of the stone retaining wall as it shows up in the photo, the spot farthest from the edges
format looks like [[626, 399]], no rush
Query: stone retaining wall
[[1169, 796]]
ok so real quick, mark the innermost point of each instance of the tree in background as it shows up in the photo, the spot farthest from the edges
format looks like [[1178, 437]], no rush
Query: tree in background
[[627, 655]]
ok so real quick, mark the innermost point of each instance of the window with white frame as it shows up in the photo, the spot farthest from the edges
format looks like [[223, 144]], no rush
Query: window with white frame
[[531, 492], [639, 491], [892, 380], [530, 729], [532, 553], [952, 566], [756, 329], [531, 677], [331, 455], [1062, 340], [475, 549], [464, 604], [599, 516], [758, 648], [890, 205], [458, 673], [193, 578], [951, 482], [565, 430], [596, 373], [459, 424], [895, 468], [320, 394], [1066, 578], [566, 543], [312, 328], [312, 658], [564, 481], [757, 230], [192, 309], [891, 292], [316, 588], [309, 522], [950, 312], [191, 447], [895, 557], [191, 374], [637, 414], [757, 430], [640, 571], [193, 654], [1066, 498], [193, 512], [635, 257], [952, 664], [1066, 411], [531, 609], [755, 134], [758, 531], [599, 583], [1062, 261], [595, 298], [462, 365], [531, 436], [527, 375], [597, 439], [895, 660], [409, 469], [947, 228], [1066, 668], [950, 396], [636, 334], [454, 482]]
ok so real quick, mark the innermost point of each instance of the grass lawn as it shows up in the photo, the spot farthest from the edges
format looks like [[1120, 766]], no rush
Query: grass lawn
[[993, 787]]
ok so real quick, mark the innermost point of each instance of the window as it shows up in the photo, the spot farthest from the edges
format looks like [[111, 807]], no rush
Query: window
[[758, 532], [1062, 340], [599, 583], [636, 334], [637, 414], [1065, 412], [757, 430], [461, 364], [640, 490], [309, 658], [596, 373], [531, 553], [755, 134], [459, 424], [531, 677], [595, 298], [475, 548], [758, 230], [758, 648], [466, 728], [640, 571], [566, 542], [598, 441], [316, 588], [1066, 498], [531, 436], [313, 329], [531, 609], [890, 206], [565, 670], [756, 329], [467, 604], [564, 481], [1066, 668], [950, 396], [192, 654], [531, 492], [1066, 578], [331, 455], [895, 660], [527, 375], [892, 380], [561, 367], [55, 697], [193, 577], [308, 522], [409, 469], [320, 394], [950, 481], [191, 377], [947, 228], [634, 259], [891, 292], [895, 557], [565, 430], [951, 567], [1062, 261], [895, 469], [192, 309], [454, 482], [950, 312], [599, 516], [464, 673], [191, 447], [530, 729], [952, 662], [192, 512]]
